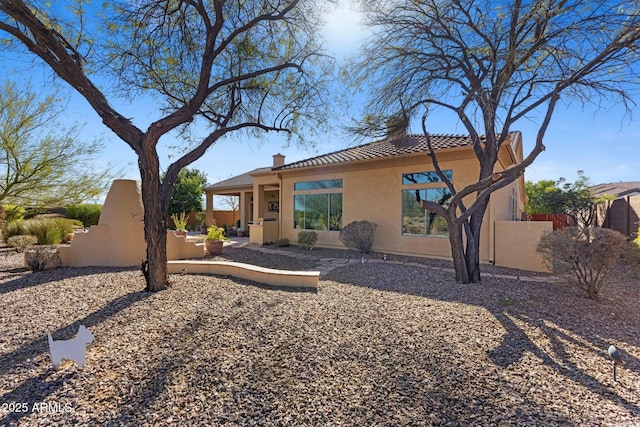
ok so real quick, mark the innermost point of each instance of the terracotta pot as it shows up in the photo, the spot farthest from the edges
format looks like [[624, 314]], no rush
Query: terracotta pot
[[213, 247], [181, 233]]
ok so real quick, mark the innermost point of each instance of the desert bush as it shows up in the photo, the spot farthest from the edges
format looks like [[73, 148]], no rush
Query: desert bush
[[88, 214], [359, 235], [307, 239], [48, 231], [282, 243], [632, 255], [13, 213], [22, 242], [41, 257], [583, 256]]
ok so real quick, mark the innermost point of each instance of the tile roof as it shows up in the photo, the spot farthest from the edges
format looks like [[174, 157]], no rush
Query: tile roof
[[244, 180], [618, 189], [407, 144]]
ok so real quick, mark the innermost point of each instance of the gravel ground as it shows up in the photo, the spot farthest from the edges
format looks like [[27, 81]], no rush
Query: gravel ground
[[378, 344]]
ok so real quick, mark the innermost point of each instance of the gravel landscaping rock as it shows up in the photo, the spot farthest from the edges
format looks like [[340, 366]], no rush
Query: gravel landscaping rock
[[380, 343]]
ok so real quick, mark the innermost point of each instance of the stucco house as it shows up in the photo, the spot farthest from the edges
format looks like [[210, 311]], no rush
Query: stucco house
[[382, 182]]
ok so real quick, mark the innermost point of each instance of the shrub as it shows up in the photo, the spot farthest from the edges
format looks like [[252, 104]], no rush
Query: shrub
[[37, 259], [583, 256], [282, 243], [180, 221], [307, 239], [48, 231], [215, 233], [13, 213], [2, 216], [88, 214], [359, 235], [22, 242]]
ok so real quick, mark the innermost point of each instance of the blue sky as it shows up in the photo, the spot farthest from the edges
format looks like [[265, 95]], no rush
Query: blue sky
[[605, 144]]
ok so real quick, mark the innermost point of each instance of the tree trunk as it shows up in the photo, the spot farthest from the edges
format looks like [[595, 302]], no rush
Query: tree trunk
[[472, 252], [155, 227], [457, 252]]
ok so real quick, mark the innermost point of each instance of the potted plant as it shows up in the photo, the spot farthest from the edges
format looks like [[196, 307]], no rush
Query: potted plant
[[180, 221], [215, 238]]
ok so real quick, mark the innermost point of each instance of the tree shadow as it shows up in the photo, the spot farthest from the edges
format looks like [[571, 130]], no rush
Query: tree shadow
[[40, 387], [149, 389], [34, 279], [515, 342]]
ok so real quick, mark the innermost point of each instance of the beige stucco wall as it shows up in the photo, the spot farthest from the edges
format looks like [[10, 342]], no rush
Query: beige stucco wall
[[118, 239], [516, 243], [280, 278], [372, 191]]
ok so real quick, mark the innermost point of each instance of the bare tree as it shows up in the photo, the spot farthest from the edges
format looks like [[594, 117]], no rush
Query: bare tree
[[492, 64], [232, 203], [228, 65]]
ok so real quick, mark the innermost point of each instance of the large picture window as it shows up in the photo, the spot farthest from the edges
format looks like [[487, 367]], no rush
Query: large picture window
[[318, 211], [422, 222]]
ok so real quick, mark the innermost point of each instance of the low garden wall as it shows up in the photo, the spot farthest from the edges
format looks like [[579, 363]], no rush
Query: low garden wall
[[516, 242]]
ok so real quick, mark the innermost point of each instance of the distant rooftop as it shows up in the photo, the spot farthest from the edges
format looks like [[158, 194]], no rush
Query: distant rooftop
[[407, 144], [618, 189]]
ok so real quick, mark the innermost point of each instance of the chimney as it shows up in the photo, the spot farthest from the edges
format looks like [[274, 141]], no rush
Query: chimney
[[278, 160], [397, 125]]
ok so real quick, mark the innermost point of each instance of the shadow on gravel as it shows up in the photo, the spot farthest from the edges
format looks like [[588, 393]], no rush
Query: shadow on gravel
[[558, 326], [28, 280], [40, 387], [153, 382]]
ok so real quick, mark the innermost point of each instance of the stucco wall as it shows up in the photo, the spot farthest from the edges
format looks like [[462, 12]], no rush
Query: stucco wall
[[373, 191], [118, 239], [516, 242]]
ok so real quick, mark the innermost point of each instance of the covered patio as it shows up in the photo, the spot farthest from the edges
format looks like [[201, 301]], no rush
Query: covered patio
[[258, 193]]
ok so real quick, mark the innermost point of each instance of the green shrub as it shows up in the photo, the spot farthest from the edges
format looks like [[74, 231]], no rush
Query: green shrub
[[2, 216], [214, 232], [583, 256], [22, 242], [88, 214], [282, 243], [48, 231], [180, 221], [359, 235], [13, 213], [307, 239]]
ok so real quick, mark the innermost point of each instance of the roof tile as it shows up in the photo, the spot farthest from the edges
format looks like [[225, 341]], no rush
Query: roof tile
[[407, 144]]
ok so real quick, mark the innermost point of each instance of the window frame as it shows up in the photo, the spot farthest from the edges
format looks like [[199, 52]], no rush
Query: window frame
[[332, 202], [426, 187]]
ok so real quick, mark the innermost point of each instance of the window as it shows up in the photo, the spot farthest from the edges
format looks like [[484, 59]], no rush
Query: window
[[418, 221], [317, 185], [513, 205], [318, 211], [422, 222], [425, 177]]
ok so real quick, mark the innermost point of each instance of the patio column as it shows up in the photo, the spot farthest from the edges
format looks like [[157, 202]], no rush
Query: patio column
[[208, 208], [243, 209], [258, 202]]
